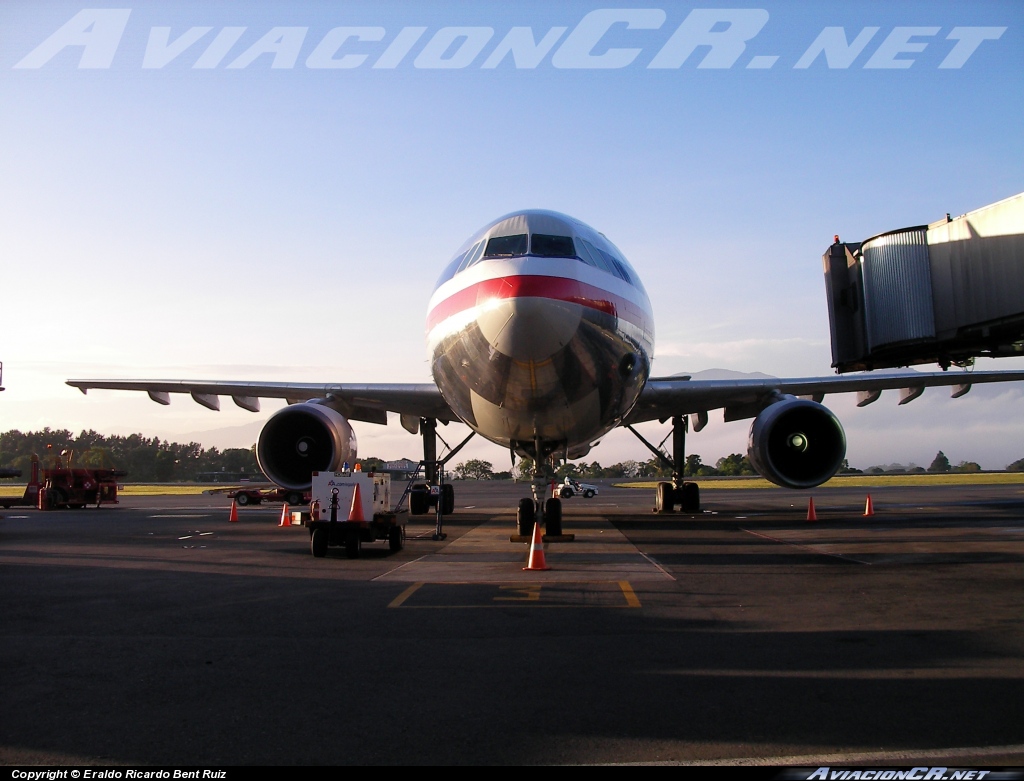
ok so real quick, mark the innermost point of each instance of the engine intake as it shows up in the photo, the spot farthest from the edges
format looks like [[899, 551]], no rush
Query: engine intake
[[796, 443], [304, 438]]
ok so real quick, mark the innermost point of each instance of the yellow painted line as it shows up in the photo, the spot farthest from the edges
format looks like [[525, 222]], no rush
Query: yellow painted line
[[629, 594], [526, 593], [529, 593], [397, 601]]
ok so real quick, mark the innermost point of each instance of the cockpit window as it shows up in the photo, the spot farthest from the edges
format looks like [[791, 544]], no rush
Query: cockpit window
[[471, 257], [552, 246], [606, 261], [506, 246]]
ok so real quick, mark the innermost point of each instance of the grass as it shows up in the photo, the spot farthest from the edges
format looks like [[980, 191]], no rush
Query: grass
[[706, 483], [168, 489], [856, 481]]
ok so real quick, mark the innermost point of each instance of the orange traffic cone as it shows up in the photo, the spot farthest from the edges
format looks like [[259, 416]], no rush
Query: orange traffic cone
[[355, 512], [869, 508], [233, 516], [286, 516], [537, 561], [811, 515]]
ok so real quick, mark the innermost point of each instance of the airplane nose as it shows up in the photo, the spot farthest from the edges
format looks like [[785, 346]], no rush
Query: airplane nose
[[529, 329]]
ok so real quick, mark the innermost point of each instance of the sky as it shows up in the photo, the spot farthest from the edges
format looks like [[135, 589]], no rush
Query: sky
[[268, 191]]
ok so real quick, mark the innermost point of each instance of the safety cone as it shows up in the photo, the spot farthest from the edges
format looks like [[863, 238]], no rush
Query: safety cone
[[355, 512], [537, 561], [233, 517], [869, 508], [286, 516], [811, 515]]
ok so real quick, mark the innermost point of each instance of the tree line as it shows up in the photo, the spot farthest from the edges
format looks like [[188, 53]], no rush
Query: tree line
[[145, 459], [734, 464], [150, 459]]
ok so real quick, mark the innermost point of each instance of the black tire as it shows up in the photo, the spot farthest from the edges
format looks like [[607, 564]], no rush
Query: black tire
[[242, 499], [418, 500], [353, 545], [448, 499], [566, 492], [553, 517], [318, 542], [396, 538], [526, 517], [294, 498], [588, 494], [689, 498], [663, 498], [58, 498]]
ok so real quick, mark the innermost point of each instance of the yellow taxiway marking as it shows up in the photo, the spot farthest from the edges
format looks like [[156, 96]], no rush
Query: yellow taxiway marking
[[525, 594], [629, 594], [397, 601]]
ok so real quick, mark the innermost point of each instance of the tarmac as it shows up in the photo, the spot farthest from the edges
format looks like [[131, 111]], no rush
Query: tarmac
[[157, 632]]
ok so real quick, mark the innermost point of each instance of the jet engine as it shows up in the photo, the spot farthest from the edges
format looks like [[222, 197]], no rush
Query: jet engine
[[796, 443], [304, 438]]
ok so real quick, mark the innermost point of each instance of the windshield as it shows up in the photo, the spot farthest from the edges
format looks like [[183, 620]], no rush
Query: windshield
[[552, 246], [506, 246]]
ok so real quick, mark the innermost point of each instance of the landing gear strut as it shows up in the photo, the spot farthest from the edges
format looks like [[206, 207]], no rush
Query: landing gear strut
[[543, 508], [435, 492], [669, 495]]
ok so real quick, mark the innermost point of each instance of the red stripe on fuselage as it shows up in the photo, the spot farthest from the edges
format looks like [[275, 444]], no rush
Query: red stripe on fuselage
[[535, 286]]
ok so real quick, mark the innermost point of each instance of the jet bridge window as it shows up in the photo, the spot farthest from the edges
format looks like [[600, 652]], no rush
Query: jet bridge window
[[506, 246], [547, 246]]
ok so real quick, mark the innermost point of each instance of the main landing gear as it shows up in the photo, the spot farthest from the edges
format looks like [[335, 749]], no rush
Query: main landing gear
[[669, 495], [434, 494]]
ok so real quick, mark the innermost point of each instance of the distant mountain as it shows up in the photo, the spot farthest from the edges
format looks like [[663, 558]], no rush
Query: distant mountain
[[229, 436], [724, 374]]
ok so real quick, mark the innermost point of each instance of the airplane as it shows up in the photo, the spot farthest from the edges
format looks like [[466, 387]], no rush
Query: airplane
[[540, 336]]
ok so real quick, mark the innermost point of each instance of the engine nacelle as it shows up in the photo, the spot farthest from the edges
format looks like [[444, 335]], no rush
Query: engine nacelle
[[796, 443], [304, 438]]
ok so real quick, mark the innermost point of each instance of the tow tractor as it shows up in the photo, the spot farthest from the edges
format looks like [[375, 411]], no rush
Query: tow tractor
[[246, 496], [61, 486], [350, 508]]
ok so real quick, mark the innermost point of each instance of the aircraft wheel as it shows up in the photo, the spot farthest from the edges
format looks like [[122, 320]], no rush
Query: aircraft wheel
[[242, 500], [663, 498], [566, 492], [418, 500], [689, 498], [525, 517], [395, 538], [553, 517], [318, 542], [448, 499], [353, 545]]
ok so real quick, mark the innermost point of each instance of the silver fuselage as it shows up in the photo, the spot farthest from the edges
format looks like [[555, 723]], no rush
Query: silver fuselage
[[539, 350]]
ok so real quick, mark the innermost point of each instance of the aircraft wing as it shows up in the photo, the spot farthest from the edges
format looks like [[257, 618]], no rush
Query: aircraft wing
[[664, 397], [357, 402]]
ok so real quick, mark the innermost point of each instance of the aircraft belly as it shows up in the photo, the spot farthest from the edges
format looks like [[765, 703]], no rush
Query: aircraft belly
[[567, 387]]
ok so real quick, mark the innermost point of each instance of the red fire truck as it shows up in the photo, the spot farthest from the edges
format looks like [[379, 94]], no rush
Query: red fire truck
[[61, 486]]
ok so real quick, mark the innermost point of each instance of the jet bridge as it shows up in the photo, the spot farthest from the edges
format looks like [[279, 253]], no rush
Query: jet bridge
[[942, 293]]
